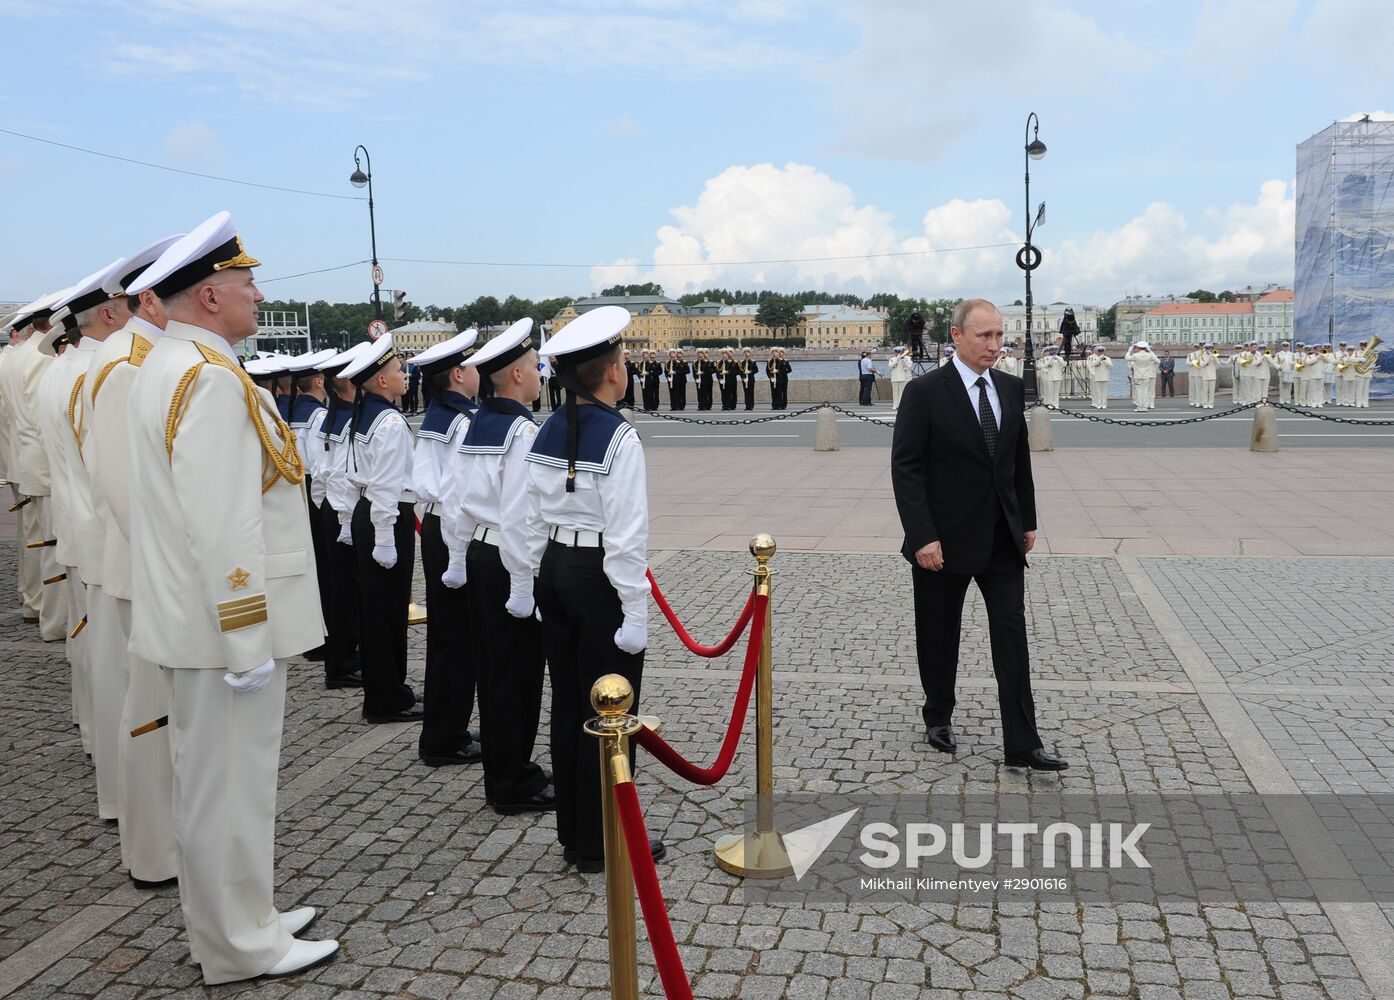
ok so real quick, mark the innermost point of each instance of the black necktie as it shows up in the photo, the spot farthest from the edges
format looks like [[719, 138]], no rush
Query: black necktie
[[986, 418]]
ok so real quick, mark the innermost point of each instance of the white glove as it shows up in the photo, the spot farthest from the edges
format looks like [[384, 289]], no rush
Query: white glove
[[251, 680], [345, 534], [385, 555], [454, 576], [632, 637], [520, 607]]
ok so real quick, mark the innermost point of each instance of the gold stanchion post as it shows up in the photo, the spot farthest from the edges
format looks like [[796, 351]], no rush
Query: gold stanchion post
[[611, 697], [760, 853]]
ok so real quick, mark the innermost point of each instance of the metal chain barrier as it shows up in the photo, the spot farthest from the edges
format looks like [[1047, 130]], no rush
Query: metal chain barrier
[[707, 421], [1335, 420], [1146, 423]]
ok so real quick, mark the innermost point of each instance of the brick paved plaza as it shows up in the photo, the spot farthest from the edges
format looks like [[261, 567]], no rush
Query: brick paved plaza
[[1152, 674]]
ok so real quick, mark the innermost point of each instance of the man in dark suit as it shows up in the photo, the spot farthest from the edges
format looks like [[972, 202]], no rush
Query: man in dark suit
[[961, 472]]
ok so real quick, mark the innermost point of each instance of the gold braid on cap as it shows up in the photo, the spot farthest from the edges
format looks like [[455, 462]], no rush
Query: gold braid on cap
[[241, 260]]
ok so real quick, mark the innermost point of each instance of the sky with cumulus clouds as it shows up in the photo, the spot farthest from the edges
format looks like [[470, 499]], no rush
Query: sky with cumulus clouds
[[551, 147]]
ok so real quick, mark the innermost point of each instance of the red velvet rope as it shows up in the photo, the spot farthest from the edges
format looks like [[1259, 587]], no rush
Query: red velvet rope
[[680, 765], [665, 948], [687, 640]]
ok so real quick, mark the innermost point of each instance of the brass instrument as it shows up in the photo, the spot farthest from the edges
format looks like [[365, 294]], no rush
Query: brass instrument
[[1245, 360], [1368, 357], [1342, 365], [1268, 352], [1298, 364]]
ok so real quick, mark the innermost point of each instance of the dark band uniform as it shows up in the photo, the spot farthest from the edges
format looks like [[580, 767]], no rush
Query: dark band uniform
[[677, 372], [702, 372]]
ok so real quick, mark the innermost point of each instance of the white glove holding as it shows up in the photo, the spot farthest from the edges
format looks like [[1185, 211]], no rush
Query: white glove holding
[[251, 680], [520, 607], [385, 555], [454, 576], [632, 637], [345, 534]]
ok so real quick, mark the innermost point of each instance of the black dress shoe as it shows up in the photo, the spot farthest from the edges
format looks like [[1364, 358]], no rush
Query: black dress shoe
[[469, 755], [316, 654], [591, 866], [140, 883], [353, 680], [543, 801], [412, 714], [942, 738], [1037, 760]]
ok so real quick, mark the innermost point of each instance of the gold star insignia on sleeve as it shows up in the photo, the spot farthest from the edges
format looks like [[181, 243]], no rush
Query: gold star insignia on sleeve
[[239, 578]]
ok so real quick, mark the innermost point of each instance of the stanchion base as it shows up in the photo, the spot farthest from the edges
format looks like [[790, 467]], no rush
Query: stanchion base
[[753, 855]]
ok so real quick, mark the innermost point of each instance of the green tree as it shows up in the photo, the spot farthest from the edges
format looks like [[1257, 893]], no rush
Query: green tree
[[514, 308], [647, 288], [779, 312], [1108, 323], [485, 311], [1202, 295], [545, 310]]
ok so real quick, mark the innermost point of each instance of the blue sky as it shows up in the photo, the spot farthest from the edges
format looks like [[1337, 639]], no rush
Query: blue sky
[[682, 133]]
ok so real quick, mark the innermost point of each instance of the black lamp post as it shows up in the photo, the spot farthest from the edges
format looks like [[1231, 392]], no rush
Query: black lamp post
[[1030, 257], [358, 179]]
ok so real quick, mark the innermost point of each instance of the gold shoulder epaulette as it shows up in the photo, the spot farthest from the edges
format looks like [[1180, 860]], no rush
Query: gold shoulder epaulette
[[178, 404], [283, 461], [75, 411]]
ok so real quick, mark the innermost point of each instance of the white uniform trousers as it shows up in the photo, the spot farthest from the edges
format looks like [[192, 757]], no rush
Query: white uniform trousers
[[145, 771], [1362, 390], [1050, 391], [227, 747], [896, 389], [27, 578], [1098, 394], [1284, 391], [53, 597], [1207, 393], [1192, 387], [102, 646], [76, 651]]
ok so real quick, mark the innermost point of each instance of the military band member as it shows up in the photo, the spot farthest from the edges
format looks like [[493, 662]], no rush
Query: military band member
[[703, 373], [653, 372], [779, 382], [1324, 386], [384, 530], [553, 387], [1100, 366], [1193, 363], [336, 497], [631, 372], [1208, 375], [901, 367], [145, 770], [1142, 373], [1329, 373], [1050, 373], [451, 639], [486, 508], [588, 530], [88, 316], [676, 374], [1345, 377], [1282, 363], [24, 375], [1007, 363], [27, 580], [729, 377], [748, 370], [225, 593], [1364, 374]]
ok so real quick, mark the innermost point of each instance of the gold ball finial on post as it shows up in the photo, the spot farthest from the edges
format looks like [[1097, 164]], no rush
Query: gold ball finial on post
[[612, 696], [762, 547]]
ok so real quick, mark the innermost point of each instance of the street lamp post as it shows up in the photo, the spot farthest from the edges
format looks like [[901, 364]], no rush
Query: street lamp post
[[1030, 257], [359, 179]]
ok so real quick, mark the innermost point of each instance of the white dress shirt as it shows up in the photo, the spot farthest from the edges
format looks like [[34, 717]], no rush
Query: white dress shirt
[[970, 380], [866, 366], [434, 459], [313, 453], [617, 505], [379, 466]]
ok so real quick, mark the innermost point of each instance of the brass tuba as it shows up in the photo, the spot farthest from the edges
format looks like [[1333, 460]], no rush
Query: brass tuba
[[1369, 357]]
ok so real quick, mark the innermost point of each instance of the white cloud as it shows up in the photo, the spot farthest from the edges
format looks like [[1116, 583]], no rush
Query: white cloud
[[1234, 38], [1377, 116], [757, 226], [193, 145], [1354, 36]]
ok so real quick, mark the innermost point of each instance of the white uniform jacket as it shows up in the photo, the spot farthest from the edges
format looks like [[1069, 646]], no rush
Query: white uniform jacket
[[221, 550], [60, 420]]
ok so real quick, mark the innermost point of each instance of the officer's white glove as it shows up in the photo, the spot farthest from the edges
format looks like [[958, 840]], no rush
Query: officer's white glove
[[454, 575], [632, 637], [251, 680], [385, 555], [520, 607], [345, 534]]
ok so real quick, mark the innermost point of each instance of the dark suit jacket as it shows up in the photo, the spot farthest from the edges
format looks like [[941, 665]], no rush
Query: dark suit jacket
[[946, 488]]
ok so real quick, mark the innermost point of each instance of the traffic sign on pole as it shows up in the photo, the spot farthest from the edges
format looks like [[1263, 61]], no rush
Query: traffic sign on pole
[[377, 275], [377, 328]]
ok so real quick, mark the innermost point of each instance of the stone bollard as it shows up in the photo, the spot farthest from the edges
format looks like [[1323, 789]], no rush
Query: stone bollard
[[1039, 434], [1265, 436], [825, 430]]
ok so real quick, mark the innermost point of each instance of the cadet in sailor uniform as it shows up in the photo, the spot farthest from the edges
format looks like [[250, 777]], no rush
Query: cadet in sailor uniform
[[307, 410], [225, 593], [486, 509], [588, 525], [336, 499], [24, 375], [95, 650], [145, 770], [451, 641], [384, 530]]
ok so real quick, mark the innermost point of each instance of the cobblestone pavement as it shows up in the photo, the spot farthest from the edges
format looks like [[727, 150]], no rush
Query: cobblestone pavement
[[1158, 675]]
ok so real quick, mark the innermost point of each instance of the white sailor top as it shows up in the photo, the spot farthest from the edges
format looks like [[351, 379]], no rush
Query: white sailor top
[[301, 413], [488, 487], [438, 441], [331, 448], [379, 463], [611, 497]]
